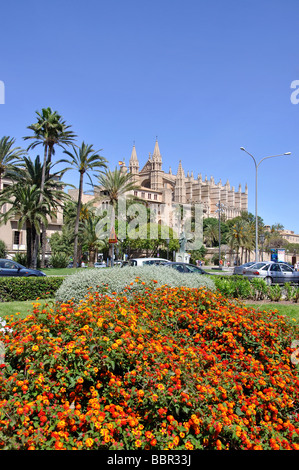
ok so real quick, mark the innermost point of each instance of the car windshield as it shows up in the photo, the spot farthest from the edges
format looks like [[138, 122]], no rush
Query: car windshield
[[258, 265]]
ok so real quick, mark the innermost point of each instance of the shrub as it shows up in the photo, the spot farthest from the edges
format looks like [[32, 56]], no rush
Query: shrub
[[21, 258], [175, 369], [259, 289], [233, 286], [3, 249], [116, 279], [28, 288], [59, 260], [274, 293]]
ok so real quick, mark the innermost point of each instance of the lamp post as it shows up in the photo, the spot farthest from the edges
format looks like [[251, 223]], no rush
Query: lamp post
[[167, 241], [256, 173], [262, 238], [220, 209]]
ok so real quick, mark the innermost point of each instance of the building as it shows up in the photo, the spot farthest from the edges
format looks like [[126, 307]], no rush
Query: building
[[160, 187]]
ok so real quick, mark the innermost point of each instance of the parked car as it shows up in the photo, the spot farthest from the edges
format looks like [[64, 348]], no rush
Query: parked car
[[186, 268], [239, 269], [147, 261], [71, 265], [273, 273], [100, 264], [12, 268]]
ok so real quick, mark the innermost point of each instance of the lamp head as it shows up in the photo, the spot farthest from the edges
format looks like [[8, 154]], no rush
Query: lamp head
[[242, 148], [287, 153]]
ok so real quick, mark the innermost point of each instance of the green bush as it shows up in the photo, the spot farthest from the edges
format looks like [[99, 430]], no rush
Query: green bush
[[259, 289], [233, 286], [21, 258], [3, 249], [28, 288], [274, 293], [59, 260], [111, 280]]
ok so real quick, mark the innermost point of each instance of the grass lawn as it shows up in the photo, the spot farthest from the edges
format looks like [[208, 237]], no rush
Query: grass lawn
[[11, 308], [64, 271], [291, 310]]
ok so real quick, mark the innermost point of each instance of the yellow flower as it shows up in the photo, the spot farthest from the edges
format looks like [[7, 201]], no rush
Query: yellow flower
[[89, 442]]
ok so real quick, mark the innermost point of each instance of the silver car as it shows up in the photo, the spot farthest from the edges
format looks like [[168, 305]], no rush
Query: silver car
[[239, 269], [273, 273]]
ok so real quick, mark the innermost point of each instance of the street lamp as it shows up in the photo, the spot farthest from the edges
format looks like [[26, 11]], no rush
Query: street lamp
[[256, 217], [220, 209]]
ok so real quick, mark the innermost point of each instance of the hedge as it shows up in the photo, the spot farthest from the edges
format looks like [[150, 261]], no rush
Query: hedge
[[28, 288]]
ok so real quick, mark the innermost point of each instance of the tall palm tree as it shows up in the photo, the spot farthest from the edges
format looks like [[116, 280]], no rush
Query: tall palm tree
[[28, 176], [237, 237], [90, 237], [84, 159], [29, 212], [113, 185], [9, 156], [211, 233], [49, 130]]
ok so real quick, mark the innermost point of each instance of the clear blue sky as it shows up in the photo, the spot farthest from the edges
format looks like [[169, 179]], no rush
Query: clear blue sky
[[205, 77]]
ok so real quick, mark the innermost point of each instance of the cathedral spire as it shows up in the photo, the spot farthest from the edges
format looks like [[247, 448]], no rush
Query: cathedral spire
[[156, 153], [134, 163]]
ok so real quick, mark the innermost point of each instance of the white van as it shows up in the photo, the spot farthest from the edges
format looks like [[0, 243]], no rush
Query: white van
[[147, 261]]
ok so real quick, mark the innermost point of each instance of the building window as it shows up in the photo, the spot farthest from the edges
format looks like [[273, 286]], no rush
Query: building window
[[155, 197], [142, 194], [16, 237], [149, 196], [135, 193]]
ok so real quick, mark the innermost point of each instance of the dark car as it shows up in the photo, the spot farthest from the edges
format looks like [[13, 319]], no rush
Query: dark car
[[186, 268], [12, 268]]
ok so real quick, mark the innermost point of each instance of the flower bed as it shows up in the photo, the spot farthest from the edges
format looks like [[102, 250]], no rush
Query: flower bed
[[172, 368]]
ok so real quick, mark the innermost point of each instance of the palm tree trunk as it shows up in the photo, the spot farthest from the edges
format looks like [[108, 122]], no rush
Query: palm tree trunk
[[77, 221], [35, 246], [28, 245], [44, 233]]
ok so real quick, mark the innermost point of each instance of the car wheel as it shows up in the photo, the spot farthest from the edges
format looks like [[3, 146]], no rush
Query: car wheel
[[268, 281]]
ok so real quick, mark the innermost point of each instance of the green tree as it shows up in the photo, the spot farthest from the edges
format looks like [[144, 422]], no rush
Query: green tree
[[3, 249], [24, 192], [85, 160], [29, 212], [9, 156], [211, 231], [91, 242], [49, 130], [112, 186]]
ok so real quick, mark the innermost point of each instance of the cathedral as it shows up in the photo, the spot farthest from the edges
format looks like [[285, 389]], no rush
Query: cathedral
[[157, 186]]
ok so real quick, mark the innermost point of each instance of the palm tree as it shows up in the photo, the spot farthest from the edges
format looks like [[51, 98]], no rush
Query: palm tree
[[211, 233], [9, 156], [49, 130], [113, 185], [237, 237], [90, 238], [28, 175], [84, 159], [29, 212]]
